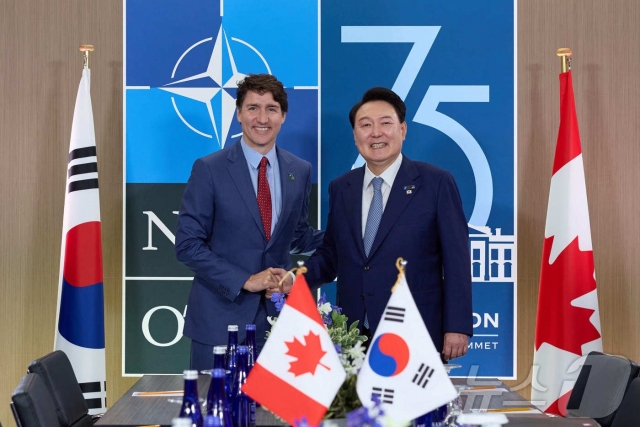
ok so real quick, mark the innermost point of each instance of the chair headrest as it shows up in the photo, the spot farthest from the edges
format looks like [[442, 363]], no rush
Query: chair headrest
[[33, 403], [57, 373]]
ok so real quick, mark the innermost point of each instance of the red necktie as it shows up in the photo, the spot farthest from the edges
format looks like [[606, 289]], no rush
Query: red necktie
[[264, 197]]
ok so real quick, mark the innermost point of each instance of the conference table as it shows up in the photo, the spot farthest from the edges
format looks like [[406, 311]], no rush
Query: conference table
[[155, 407]]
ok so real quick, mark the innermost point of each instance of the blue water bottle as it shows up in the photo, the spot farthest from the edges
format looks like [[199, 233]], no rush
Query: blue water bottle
[[190, 402], [220, 357], [217, 398], [244, 408], [251, 346], [219, 362], [230, 358]]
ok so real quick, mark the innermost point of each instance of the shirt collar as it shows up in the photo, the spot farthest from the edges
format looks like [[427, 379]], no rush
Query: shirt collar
[[254, 158], [389, 175]]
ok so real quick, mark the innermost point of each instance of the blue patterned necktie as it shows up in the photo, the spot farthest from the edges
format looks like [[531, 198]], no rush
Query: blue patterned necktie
[[375, 215], [373, 222]]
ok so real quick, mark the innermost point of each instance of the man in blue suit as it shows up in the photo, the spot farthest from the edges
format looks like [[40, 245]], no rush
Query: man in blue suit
[[244, 211], [396, 207]]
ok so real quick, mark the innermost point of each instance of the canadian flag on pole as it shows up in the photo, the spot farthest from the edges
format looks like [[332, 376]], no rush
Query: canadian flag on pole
[[298, 372], [568, 320], [80, 320]]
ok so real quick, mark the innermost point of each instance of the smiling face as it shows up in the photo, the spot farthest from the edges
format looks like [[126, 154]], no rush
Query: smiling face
[[261, 118], [378, 133]]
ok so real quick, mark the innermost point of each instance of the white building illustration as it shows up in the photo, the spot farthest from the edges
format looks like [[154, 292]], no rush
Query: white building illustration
[[492, 255]]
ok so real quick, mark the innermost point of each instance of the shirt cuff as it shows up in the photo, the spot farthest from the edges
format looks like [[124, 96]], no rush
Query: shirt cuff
[[293, 276]]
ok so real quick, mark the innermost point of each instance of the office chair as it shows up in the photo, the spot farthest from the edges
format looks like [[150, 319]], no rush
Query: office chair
[[600, 387], [628, 414], [57, 374], [32, 405]]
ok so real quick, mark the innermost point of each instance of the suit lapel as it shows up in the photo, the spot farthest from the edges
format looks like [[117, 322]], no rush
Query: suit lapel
[[397, 202], [238, 169], [353, 206], [286, 191]]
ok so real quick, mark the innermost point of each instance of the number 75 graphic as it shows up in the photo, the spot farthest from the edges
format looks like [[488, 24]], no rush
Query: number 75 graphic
[[422, 39]]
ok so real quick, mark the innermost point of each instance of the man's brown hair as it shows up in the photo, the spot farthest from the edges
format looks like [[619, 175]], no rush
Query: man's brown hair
[[261, 84]]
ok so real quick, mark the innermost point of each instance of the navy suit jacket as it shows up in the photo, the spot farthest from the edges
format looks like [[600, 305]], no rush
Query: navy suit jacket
[[424, 223], [220, 237]]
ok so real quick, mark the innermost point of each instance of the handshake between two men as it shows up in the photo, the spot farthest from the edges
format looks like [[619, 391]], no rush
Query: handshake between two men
[[270, 280]]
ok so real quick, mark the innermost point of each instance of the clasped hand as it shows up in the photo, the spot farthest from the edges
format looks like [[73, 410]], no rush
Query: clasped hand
[[269, 280]]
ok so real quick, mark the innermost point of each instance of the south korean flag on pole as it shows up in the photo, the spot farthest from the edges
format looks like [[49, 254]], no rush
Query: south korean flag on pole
[[402, 368], [80, 320]]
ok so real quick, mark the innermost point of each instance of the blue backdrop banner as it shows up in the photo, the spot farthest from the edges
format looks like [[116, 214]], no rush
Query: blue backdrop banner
[[453, 63], [182, 64]]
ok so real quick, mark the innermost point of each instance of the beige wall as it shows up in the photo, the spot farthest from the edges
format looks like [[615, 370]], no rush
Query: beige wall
[[40, 69], [604, 37]]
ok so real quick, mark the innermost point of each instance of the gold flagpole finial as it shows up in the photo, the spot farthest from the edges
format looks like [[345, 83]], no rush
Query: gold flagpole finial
[[565, 57], [300, 269], [401, 264], [85, 49]]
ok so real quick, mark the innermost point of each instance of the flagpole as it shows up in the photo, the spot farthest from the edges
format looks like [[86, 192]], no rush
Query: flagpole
[[565, 58], [80, 309], [85, 49], [401, 264]]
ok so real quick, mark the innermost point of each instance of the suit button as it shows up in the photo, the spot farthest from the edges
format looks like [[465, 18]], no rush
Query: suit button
[[362, 296], [366, 268]]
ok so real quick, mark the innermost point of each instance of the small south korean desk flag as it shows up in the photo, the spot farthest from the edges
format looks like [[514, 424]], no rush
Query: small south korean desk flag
[[402, 367]]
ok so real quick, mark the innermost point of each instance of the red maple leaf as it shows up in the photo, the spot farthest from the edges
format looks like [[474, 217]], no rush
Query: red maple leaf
[[308, 355], [569, 277]]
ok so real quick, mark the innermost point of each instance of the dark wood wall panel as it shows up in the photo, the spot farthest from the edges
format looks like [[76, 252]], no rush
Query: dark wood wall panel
[[39, 75]]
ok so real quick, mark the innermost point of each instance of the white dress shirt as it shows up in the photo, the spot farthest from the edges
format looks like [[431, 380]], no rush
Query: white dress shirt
[[388, 176], [253, 159]]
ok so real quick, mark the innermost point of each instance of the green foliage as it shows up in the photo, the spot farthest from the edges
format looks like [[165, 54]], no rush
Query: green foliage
[[348, 337], [346, 400], [339, 333]]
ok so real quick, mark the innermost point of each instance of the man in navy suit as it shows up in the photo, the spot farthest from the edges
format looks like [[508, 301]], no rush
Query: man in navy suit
[[417, 214], [244, 211]]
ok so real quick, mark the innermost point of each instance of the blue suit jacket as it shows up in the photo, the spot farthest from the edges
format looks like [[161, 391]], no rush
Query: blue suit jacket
[[220, 237], [426, 226]]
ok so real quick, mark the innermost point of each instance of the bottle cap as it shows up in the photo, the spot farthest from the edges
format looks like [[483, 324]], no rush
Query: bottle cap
[[181, 422], [232, 328], [220, 349], [218, 373], [484, 419], [251, 327], [242, 349], [190, 375]]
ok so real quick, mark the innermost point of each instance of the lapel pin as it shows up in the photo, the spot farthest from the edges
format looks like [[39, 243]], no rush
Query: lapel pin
[[292, 177], [409, 188]]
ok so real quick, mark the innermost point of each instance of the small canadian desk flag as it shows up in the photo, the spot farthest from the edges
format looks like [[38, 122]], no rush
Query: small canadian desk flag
[[568, 322], [298, 372]]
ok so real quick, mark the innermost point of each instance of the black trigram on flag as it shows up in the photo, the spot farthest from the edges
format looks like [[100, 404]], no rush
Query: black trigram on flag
[[95, 393], [394, 314], [384, 395], [83, 174], [421, 378]]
